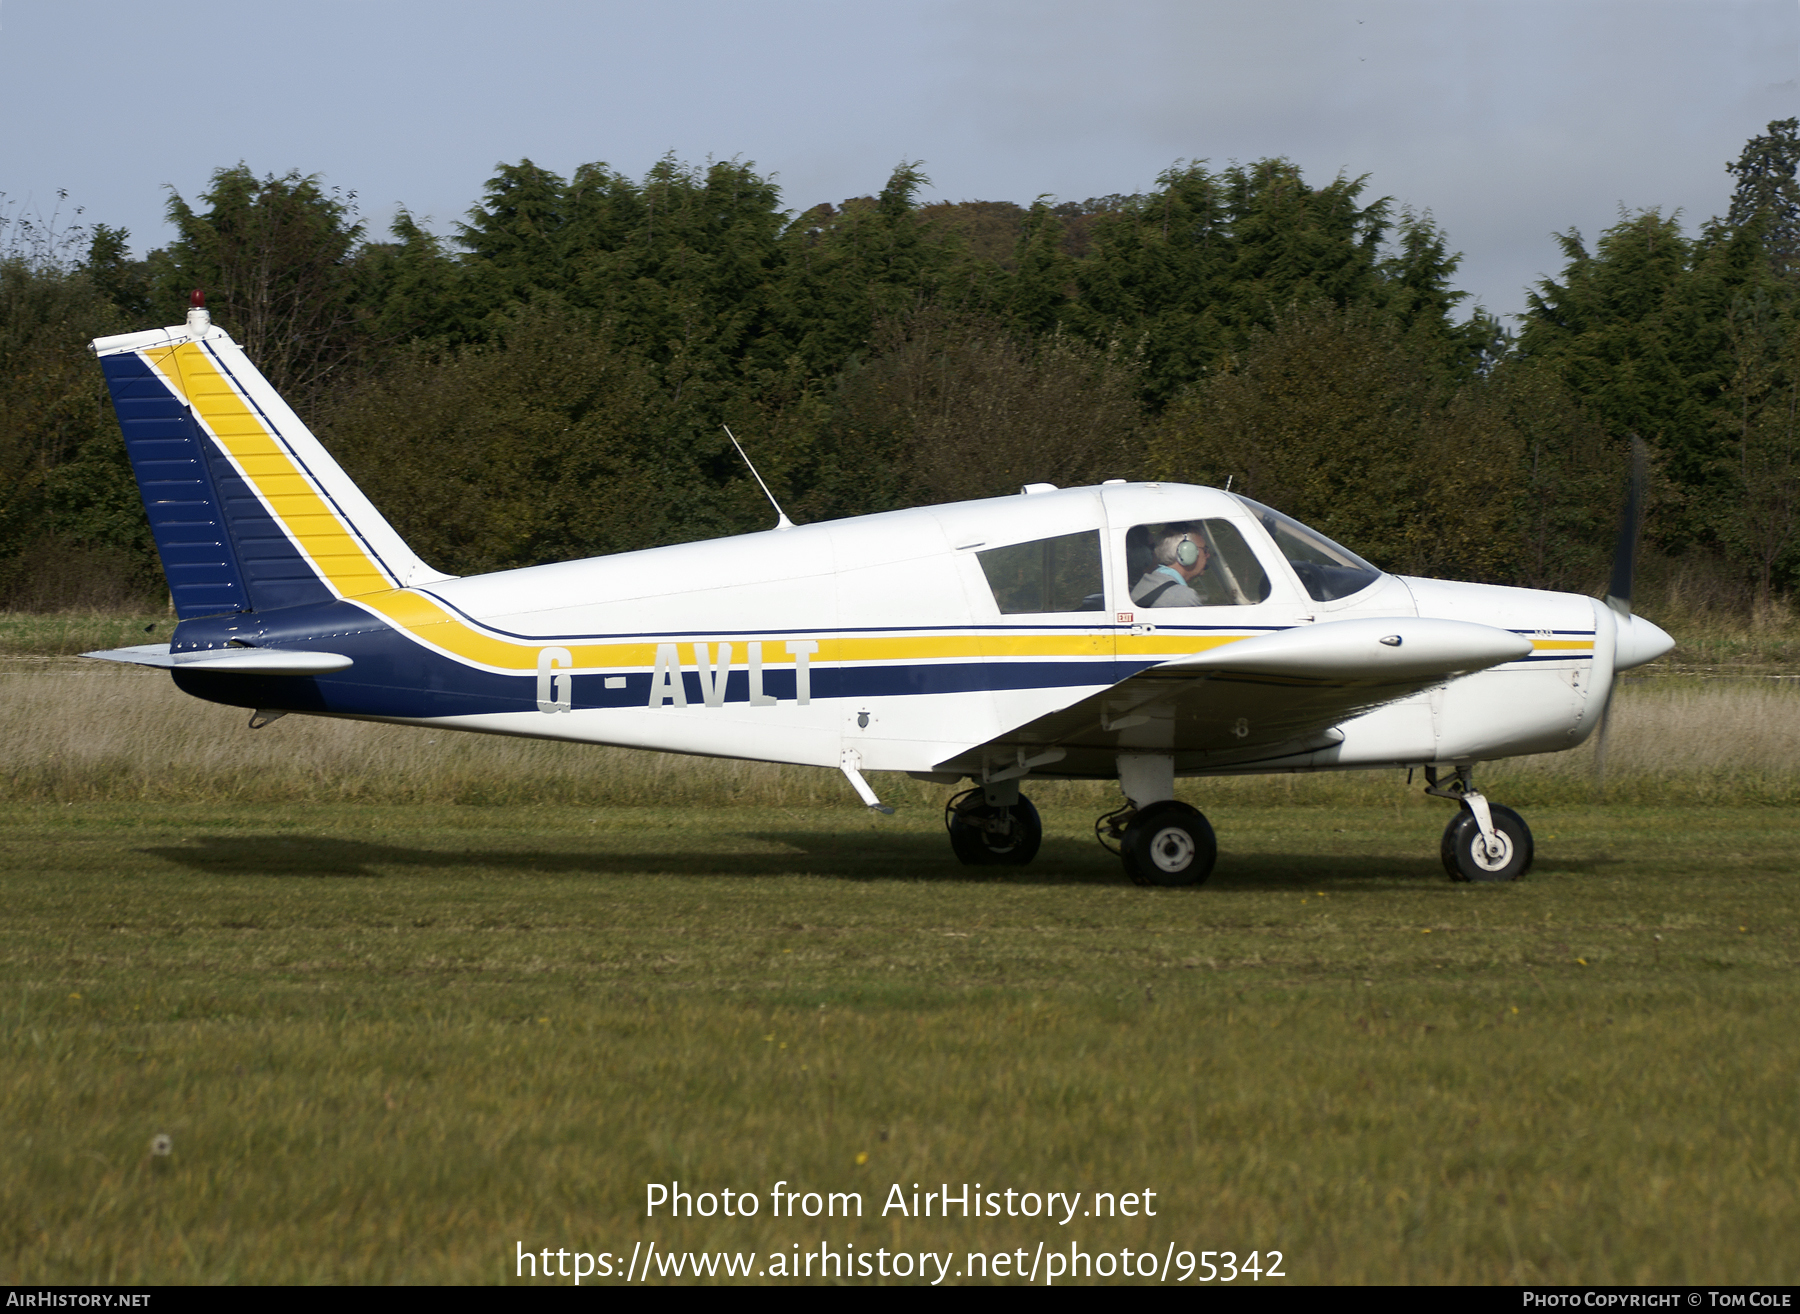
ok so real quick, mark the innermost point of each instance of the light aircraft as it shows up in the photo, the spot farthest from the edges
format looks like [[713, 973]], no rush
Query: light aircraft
[[1132, 631]]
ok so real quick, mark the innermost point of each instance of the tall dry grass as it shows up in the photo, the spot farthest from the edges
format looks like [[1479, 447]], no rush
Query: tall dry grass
[[87, 732], [95, 733], [1676, 741]]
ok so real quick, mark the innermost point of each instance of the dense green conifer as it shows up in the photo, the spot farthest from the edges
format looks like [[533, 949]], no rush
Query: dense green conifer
[[1768, 194]]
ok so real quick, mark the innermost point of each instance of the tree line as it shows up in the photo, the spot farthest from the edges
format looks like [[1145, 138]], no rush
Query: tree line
[[553, 380]]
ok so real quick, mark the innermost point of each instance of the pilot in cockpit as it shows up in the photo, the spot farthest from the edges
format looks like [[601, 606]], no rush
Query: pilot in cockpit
[[1179, 555]]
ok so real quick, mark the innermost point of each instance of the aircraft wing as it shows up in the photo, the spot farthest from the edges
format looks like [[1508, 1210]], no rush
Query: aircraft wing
[[1250, 700]]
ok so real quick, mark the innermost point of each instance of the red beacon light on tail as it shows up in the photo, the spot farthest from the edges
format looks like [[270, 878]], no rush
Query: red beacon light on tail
[[198, 320]]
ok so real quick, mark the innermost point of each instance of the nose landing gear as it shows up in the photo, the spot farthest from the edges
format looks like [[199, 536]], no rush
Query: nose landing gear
[[1483, 842]]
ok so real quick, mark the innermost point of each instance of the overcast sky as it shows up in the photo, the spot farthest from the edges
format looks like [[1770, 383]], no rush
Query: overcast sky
[[1507, 119]]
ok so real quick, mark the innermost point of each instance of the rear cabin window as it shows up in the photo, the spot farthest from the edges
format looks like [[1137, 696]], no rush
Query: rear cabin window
[[1048, 574], [1193, 563]]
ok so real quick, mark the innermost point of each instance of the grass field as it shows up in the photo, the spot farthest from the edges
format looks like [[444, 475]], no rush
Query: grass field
[[402, 1007]]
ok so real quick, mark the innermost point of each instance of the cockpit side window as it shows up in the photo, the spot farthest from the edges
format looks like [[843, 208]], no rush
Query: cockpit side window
[[1048, 574], [1193, 563], [1326, 570]]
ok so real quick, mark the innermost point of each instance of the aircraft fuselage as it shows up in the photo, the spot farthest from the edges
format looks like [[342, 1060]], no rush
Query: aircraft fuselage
[[883, 634]]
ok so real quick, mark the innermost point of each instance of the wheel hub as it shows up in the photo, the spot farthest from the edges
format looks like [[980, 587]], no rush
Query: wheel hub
[[1494, 854], [1172, 849]]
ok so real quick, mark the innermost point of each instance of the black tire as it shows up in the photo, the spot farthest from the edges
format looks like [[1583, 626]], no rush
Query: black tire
[[977, 845], [1463, 862], [1169, 843]]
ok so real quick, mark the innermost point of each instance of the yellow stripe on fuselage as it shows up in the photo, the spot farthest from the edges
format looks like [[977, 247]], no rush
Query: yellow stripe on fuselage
[[336, 553], [1173, 645], [426, 620], [431, 623]]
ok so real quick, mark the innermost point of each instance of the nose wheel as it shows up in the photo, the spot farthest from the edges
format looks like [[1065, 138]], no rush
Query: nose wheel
[[1484, 841], [1468, 856]]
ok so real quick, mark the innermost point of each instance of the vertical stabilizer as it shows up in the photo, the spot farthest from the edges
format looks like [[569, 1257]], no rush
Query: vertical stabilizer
[[248, 510]]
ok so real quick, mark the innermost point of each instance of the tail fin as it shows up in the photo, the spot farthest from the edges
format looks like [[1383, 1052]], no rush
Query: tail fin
[[248, 510]]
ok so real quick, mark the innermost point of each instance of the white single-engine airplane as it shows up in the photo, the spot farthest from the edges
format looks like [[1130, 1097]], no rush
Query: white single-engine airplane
[[1131, 631]]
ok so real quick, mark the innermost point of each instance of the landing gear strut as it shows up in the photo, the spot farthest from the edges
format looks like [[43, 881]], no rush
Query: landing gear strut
[[1483, 842], [999, 833]]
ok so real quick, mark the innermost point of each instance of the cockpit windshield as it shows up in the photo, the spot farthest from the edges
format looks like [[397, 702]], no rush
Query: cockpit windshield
[[1327, 571]]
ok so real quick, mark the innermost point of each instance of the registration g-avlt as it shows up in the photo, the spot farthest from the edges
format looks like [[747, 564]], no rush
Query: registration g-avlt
[[1141, 632]]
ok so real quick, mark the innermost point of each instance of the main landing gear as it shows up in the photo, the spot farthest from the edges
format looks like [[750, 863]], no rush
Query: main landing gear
[[1483, 842], [996, 826], [1159, 840], [1163, 843], [1166, 843]]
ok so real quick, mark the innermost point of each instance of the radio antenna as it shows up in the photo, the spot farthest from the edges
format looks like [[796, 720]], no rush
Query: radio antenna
[[781, 520]]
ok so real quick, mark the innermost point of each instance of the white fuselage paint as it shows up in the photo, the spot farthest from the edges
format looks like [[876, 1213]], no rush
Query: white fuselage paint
[[906, 589]]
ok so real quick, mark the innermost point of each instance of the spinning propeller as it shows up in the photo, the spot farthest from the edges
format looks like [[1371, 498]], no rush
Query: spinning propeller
[[1618, 597]]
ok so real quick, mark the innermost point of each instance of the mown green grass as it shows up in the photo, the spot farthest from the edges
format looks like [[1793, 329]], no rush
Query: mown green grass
[[391, 1042]]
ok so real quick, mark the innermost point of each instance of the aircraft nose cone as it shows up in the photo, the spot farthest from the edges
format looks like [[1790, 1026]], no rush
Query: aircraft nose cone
[[1639, 642]]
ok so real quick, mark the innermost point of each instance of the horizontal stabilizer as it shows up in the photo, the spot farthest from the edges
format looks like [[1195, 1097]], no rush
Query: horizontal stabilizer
[[232, 661], [145, 654], [1388, 650]]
